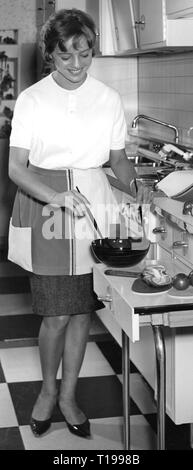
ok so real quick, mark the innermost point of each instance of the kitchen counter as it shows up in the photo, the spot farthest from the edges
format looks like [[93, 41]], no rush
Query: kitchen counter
[[133, 311], [178, 326]]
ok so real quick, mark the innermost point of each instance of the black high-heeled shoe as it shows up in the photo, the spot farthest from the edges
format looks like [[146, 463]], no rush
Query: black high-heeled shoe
[[81, 430], [40, 427]]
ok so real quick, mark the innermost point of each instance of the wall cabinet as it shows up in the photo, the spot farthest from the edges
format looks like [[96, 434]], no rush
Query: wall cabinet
[[114, 22], [126, 26], [179, 8], [151, 17], [158, 30]]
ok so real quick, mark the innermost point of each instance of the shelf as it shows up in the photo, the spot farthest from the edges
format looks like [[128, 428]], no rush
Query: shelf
[[159, 51]]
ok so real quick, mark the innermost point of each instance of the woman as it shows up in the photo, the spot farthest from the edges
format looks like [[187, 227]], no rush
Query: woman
[[65, 127]]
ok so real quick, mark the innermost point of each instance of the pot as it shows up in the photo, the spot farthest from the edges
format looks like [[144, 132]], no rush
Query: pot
[[120, 252]]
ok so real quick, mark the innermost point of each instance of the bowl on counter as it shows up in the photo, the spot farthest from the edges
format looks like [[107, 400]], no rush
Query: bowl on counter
[[120, 252]]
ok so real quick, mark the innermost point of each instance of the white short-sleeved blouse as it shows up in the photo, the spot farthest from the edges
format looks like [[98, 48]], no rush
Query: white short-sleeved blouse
[[68, 128]]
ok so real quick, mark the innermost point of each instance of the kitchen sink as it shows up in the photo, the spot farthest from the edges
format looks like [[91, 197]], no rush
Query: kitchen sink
[[158, 154]]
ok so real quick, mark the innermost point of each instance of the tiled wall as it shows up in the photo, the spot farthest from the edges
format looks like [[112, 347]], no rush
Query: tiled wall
[[120, 74], [166, 92]]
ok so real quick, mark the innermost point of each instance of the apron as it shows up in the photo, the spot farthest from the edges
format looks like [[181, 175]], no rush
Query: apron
[[50, 241]]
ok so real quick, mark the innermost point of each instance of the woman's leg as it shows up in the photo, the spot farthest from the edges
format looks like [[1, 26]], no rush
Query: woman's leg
[[76, 338], [51, 345]]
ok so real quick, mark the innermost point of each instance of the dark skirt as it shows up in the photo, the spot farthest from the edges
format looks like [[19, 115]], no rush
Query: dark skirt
[[63, 295]]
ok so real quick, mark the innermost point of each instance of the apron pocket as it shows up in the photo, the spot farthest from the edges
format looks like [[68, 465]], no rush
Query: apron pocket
[[19, 247]]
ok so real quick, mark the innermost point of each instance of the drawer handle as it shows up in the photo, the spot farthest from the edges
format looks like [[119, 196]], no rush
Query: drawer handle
[[179, 244], [105, 299], [160, 229]]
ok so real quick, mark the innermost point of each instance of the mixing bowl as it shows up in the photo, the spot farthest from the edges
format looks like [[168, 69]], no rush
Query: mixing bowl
[[120, 252]]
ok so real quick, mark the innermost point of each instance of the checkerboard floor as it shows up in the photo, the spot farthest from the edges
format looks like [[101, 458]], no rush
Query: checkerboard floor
[[99, 389]]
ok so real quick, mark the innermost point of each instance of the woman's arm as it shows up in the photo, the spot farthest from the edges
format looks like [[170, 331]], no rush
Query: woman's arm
[[124, 170]]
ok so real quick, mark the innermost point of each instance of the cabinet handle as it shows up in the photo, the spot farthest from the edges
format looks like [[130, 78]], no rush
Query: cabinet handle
[[179, 244], [105, 299], [160, 229], [141, 22]]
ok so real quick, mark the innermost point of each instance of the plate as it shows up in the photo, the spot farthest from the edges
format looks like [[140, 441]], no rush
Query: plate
[[140, 287]]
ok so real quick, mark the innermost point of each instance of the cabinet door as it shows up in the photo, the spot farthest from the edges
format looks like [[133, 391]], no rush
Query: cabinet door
[[152, 31], [179, 8], [124, 24]]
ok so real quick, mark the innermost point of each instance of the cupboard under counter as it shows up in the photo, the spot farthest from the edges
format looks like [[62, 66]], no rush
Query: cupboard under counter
[[136, 317]]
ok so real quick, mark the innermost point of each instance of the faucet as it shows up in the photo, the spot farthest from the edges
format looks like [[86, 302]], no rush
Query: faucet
[[143, 116]]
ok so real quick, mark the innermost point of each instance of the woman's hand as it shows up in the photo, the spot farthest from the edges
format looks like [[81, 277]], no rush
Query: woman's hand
[[71, 200]]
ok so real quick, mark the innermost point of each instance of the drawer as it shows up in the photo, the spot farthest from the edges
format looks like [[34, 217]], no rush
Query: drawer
[[118, 307], [173, 236], [163, 231], [184, 242]]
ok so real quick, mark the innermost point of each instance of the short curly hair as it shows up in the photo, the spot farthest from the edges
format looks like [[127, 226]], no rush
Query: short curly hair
[[63, 25]]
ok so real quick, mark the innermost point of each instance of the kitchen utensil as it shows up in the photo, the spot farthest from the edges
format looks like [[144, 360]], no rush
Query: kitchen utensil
[[123, 253], [187, 208], [148, 179], [142, 221], [117, 251], [161, 173], [93, 220], [116, 272]]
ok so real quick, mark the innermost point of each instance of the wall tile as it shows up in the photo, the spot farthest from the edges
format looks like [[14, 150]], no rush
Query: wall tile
[[120, 74], [166, 92]]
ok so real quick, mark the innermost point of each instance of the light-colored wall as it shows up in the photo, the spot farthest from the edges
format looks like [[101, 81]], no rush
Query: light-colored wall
[[19, 14], [166, 92], [120, 74]]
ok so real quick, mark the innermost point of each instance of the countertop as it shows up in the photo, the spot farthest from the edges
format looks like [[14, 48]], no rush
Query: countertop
[[149, 303]]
